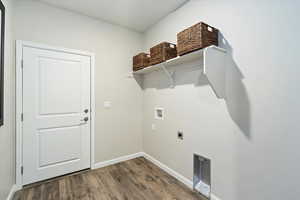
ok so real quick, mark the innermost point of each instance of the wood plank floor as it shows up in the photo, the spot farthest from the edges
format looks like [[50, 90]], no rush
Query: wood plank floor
[[136, 179]]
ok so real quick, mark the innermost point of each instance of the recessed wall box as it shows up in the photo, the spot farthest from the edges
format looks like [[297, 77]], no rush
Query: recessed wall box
[[159, 113], [202, 175]]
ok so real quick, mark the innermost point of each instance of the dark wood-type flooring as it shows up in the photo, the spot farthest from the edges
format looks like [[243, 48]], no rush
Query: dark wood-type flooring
[[136, 179]]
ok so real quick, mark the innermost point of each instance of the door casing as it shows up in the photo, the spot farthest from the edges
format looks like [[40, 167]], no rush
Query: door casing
[[19, 101]]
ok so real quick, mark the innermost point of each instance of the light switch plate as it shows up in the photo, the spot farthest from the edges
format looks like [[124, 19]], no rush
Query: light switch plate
[[107, 104]]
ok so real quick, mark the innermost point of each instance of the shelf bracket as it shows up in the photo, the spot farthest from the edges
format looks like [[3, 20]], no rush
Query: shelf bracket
[[170, 76]]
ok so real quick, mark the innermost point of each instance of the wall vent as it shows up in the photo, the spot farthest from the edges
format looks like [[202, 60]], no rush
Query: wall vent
[[202, 175]]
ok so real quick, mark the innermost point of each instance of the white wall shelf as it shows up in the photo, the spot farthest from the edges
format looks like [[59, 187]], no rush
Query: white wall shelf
[[213, 60]]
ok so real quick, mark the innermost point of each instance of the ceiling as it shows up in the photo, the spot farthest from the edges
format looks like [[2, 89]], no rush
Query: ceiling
[[138, 15]]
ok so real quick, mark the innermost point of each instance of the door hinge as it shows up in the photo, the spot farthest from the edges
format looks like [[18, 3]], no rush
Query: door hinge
[[22, 63], [22, 170], [22, 117]]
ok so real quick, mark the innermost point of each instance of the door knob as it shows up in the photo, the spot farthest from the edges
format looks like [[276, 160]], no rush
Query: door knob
[[85, 119]]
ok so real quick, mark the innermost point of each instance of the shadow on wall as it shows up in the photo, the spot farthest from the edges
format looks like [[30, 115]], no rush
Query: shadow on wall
[[237, 100]]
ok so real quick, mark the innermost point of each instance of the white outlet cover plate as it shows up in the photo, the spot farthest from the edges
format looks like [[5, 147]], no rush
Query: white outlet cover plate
[[107, 104], [153, 127]]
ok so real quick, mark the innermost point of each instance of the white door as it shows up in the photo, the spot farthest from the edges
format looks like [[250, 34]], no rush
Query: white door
[[56, 108]]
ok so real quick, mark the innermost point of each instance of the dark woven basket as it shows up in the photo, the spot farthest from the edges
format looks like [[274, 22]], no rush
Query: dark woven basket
[[196, 37], [141, 61], [162, 52]]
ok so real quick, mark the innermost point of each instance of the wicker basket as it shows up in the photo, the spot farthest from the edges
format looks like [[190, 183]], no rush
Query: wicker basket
[[196, 37], [141, 61], [162, 52]]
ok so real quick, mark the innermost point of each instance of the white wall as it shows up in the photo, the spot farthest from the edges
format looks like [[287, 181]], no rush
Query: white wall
[[118, 130], [252, 138], [7, 131]]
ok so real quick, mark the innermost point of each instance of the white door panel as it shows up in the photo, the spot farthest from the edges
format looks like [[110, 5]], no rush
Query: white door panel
[[59, 94], [56, 92], [69, 150]]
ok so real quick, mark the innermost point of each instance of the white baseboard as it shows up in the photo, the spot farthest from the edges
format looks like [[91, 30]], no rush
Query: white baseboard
[[164, 167], [116, 160], [170, 171], [173, 173], [12, 191], [214, 197]]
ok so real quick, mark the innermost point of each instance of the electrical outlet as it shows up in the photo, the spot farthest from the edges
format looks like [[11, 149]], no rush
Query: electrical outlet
[[180, 135], [153, 127]]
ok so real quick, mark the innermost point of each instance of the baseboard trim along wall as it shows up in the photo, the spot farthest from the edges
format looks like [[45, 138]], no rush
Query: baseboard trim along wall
[[116, 160], [173, 173], [213, 197], [164, 167], [12, 191], [170, 171]]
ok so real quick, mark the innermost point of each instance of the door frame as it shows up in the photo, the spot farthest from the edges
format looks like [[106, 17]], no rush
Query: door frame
[[19, 101]]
